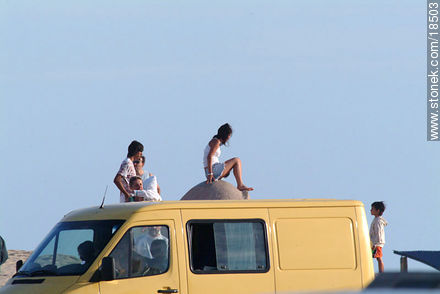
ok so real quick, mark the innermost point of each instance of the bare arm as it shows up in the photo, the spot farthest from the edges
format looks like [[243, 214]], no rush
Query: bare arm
[[118, 182], [214, 144]]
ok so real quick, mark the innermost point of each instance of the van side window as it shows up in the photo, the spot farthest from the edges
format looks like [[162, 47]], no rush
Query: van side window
[[142, 251], [227, 246]]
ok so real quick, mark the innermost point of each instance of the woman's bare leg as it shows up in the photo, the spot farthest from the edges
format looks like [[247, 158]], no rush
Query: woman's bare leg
[[235, 165]]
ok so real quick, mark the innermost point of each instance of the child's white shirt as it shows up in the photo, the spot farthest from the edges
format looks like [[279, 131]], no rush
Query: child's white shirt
[[149, 193], [377, 231]]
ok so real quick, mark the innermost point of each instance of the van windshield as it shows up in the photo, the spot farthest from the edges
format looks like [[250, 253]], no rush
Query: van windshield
[[70, 248]]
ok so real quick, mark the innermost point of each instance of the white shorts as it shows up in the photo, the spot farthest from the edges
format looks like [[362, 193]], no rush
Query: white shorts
[[217, 170]]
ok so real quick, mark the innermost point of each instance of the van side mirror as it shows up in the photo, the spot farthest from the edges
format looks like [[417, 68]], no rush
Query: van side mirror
[[18, 265], [108, 272]]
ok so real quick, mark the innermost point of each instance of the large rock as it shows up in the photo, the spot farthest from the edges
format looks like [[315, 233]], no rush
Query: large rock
[[218, 190], [7, 269]]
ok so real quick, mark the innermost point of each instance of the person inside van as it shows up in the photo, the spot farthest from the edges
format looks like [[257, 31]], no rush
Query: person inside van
[[127, 170], [159, 263], [86, 252], [144, 241], [216, 170]]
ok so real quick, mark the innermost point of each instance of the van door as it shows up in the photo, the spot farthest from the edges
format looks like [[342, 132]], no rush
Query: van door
[[228, 251], [316, 249], [146, 260]]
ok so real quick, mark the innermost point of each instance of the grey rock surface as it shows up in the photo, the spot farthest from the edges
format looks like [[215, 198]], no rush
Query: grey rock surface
[[7, 269], [218, 190]]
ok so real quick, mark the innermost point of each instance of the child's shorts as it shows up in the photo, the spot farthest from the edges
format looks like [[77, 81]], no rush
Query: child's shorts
[[377, 252]]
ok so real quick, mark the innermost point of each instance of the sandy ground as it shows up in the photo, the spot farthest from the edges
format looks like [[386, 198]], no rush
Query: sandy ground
[[8, 268]]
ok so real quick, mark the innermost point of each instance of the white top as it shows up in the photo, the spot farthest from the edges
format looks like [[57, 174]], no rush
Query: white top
[[215, 156], [149, 193], [377, 232], [145, 175], [143, 244]]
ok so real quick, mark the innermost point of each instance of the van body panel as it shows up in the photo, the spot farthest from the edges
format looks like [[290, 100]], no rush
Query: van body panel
[[316, 249], [150, 284], [48, 285], [126, 210], [301, 240], [221, 283], [83, 288], [133, 219], [112, 211], [365, 255]]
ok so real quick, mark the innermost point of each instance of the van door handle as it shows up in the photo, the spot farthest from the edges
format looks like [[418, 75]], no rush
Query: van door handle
[[168, 291]]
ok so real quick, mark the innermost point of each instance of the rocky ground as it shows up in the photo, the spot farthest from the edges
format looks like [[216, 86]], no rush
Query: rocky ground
[[8, 268]]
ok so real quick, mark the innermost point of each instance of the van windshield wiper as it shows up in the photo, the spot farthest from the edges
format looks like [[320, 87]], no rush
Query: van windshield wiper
[[43, 272], [22, 273]]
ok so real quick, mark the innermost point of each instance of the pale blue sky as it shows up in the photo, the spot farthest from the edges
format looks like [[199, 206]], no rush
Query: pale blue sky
[[326, 99]]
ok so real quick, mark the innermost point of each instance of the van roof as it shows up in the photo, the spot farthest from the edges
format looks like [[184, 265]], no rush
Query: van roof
[[125, 210]]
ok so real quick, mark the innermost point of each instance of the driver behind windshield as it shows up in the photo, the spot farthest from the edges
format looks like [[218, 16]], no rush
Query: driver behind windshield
[[86, 252]]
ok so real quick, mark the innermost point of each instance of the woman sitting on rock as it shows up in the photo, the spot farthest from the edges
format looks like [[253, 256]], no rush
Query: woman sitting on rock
[[214, 169]]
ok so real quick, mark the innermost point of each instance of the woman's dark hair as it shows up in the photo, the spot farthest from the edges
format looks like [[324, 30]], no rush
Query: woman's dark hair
[[223, 133], [134, 148], [379, 205]]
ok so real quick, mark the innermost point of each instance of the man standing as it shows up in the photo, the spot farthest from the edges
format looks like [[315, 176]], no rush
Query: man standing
[[126, 171]]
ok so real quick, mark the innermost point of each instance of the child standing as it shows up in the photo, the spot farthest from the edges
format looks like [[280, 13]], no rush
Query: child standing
[[377, 232]]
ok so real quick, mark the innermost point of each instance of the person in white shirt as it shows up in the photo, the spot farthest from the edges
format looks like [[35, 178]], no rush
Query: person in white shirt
[[126, 171], [145, 175], [143, 242], [377, 232], [216, 170], [141, 193]]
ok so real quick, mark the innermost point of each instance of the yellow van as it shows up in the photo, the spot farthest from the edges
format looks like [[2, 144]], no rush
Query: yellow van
[[250, 246]]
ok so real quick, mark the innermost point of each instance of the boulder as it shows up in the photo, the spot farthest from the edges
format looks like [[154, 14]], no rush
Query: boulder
[[218, 190]]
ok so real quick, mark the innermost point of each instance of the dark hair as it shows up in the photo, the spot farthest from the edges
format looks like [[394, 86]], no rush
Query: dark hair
[[158, 247], [223, 133], [379, 205], [133, 179], [134, 148], [86, 250]]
